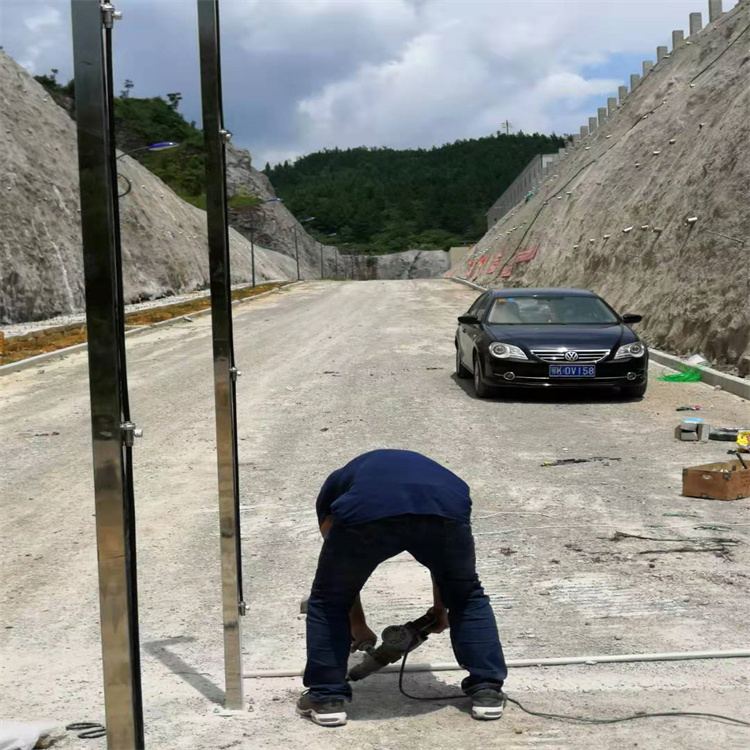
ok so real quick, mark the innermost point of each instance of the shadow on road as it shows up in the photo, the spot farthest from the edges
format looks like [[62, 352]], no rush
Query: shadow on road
[[511, 395], [177, 665], [379, 697]]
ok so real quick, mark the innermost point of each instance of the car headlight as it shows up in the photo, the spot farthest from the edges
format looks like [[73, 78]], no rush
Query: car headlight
[[506, 351], [636, 349]]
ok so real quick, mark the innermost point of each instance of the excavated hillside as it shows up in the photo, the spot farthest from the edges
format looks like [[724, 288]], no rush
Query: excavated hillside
[[272, 224], [651, 210], [409, 264], [41, 264]]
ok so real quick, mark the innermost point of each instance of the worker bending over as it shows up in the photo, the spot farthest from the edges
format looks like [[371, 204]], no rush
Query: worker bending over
[[380, 504]]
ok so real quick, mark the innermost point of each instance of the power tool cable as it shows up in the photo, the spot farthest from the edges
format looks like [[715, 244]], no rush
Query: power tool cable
[[571, 719]]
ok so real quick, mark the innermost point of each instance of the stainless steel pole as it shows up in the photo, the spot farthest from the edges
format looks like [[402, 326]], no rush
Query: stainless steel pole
[[112, 430], [252, 253], [296, 252], [225, 372]]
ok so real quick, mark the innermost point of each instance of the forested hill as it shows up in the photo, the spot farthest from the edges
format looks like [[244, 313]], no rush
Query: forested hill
[[384, 200]]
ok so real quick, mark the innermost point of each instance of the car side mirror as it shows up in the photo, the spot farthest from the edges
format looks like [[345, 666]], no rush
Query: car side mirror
[[629, 318], [468, 319]]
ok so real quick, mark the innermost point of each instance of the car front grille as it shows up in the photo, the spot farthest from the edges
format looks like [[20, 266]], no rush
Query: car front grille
[[585, 356]]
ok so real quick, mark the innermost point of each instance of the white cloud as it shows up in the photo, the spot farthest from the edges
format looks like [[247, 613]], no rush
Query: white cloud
[[300, 75], [46, 18], [35, 33], [470, 64]]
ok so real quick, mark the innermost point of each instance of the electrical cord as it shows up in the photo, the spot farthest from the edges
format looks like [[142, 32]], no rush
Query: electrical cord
[[632, 717], [571, 719], [91, 730]]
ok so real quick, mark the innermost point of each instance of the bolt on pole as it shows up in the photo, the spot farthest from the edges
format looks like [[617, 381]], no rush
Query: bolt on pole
[[225, 372], [112, 430]]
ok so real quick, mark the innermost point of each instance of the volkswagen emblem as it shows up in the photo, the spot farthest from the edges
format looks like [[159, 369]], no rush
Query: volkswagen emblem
[[571, 356]]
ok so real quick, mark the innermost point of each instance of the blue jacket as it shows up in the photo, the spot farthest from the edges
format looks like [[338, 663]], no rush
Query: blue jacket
[[386, 483]]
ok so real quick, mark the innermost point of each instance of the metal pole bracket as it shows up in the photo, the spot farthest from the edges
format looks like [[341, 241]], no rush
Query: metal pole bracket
[[129, 433], [110, 15]]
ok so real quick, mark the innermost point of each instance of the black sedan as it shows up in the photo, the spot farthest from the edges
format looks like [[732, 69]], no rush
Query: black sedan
[[549, 338]]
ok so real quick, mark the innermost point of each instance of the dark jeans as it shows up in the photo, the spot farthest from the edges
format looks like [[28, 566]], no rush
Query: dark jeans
[[349, 556]]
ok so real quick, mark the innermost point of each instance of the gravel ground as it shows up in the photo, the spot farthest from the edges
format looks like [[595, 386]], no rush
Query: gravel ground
[[331, 370]]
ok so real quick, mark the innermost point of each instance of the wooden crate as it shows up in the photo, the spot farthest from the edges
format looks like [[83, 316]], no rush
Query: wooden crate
[[722, 480]]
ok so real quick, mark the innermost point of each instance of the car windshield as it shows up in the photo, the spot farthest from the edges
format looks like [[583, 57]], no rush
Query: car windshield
[[558, 310]]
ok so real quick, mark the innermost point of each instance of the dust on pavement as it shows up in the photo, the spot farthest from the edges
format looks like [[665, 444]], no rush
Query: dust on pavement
[[332, 370]]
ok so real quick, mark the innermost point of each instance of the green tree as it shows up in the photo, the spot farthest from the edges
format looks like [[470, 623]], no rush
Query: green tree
[[139, 122], [391, 199]]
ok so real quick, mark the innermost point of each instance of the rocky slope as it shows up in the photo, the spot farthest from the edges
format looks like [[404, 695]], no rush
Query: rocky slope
[[410, 264], [273, 224], [615, 216], [41, 264], [276, 227]]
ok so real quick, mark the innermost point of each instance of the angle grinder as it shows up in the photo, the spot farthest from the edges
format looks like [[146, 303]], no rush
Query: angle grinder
[[396, 641]]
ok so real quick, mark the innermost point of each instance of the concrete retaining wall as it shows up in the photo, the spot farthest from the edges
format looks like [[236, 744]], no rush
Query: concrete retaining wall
[[530, 180]]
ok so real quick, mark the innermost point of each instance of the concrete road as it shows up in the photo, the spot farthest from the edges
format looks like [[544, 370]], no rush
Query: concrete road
[[331, 370]]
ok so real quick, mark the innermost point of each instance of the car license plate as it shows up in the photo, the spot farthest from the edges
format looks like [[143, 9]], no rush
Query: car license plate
[[572, 371]]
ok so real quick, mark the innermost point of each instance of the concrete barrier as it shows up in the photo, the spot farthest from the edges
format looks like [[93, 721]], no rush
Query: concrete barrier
[[729, 383], [696, 23], [602, 115], [714, 10], [469, 283], [635, 79], [678, 39], [622, 93], [647, 66], [611, 105], [584, 131], [661, 52], [593, 124]]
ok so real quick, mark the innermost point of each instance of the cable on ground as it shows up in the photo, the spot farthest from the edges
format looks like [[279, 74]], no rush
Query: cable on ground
[[573, 719]]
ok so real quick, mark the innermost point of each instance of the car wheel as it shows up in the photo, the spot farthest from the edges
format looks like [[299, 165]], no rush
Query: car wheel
[[634, 391], [461, 371], [481, 389]]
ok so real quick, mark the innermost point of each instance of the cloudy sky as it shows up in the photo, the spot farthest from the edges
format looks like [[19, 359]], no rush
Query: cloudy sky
[[301, 75]]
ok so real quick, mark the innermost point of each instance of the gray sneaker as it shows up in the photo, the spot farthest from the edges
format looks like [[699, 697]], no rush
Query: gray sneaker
[[330, 713], [487, 704]]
